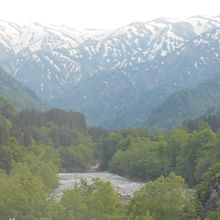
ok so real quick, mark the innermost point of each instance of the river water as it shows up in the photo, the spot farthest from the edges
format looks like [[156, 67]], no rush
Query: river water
[[124, 186]]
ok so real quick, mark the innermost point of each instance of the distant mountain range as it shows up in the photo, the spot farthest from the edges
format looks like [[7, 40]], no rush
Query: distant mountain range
[[119, 78]]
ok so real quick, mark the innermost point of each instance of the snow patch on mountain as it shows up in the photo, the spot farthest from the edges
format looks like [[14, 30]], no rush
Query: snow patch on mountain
[[61, 57]]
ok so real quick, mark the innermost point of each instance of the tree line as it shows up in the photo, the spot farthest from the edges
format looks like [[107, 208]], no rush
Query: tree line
[[181, 168]]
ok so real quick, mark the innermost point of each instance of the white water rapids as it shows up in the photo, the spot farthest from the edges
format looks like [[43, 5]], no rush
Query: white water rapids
[[124, 186]]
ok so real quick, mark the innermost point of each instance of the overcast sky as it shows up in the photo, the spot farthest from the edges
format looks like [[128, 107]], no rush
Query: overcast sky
[[103, 14]]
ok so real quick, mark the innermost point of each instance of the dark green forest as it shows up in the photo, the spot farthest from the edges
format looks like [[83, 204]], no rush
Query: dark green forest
[[179, 106], [15, 92], [181, 167]]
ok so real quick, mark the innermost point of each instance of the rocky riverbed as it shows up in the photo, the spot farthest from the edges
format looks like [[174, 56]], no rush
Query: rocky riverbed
[[124, 186]]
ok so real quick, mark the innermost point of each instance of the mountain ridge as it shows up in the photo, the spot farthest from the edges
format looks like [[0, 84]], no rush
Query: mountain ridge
[[141, 58]]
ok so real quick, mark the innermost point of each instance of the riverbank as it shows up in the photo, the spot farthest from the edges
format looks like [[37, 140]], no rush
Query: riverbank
[[125, 187]]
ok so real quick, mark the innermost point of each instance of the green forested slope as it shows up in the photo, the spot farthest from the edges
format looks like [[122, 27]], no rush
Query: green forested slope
[[186, 104], [35, 146], [15, 92]]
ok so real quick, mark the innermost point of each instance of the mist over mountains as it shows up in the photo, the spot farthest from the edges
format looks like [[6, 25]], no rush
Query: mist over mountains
[[119, 78]]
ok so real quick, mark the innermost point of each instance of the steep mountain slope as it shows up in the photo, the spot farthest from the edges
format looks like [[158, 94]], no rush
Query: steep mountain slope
[[100, 96], [16, 93], [118, 77], [186, 104], [39, 56], [194, 63]]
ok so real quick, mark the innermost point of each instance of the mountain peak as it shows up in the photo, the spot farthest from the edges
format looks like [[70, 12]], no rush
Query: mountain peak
[[79, 68]]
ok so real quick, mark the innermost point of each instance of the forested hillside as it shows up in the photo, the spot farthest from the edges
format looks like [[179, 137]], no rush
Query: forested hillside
[[18, 94], [180, 166], [203, 100]]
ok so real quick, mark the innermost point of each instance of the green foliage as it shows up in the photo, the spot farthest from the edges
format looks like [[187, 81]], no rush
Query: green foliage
[[140, 155], [10, 155], [214, 215], [4, 130], [198, 155], [147, 157], [34, 146], [97, 201], [175, 140], [7, 109], [96, 133], [142, 160], [187, 104], [117, 140], [31, 174], [107, 148], [77, 158], [207, 179], [61, 118], [17, 94], [74, 204], [44, 161], [22, 195], [55, 127], [36, 131], [164, 198], [189, 154]]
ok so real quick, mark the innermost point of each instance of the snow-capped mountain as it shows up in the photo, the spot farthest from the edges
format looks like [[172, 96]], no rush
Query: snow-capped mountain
[[95, 71], [192, 64], [37, 37], [39, 54]]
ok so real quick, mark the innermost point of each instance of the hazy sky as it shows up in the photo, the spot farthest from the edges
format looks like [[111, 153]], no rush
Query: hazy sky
[[103, 13]]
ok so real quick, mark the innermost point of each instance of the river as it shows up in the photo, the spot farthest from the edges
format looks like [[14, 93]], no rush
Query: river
[[124, 186]]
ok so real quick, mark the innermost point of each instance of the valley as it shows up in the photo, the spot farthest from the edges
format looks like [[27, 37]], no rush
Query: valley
[[117, 124], [130, 71]]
